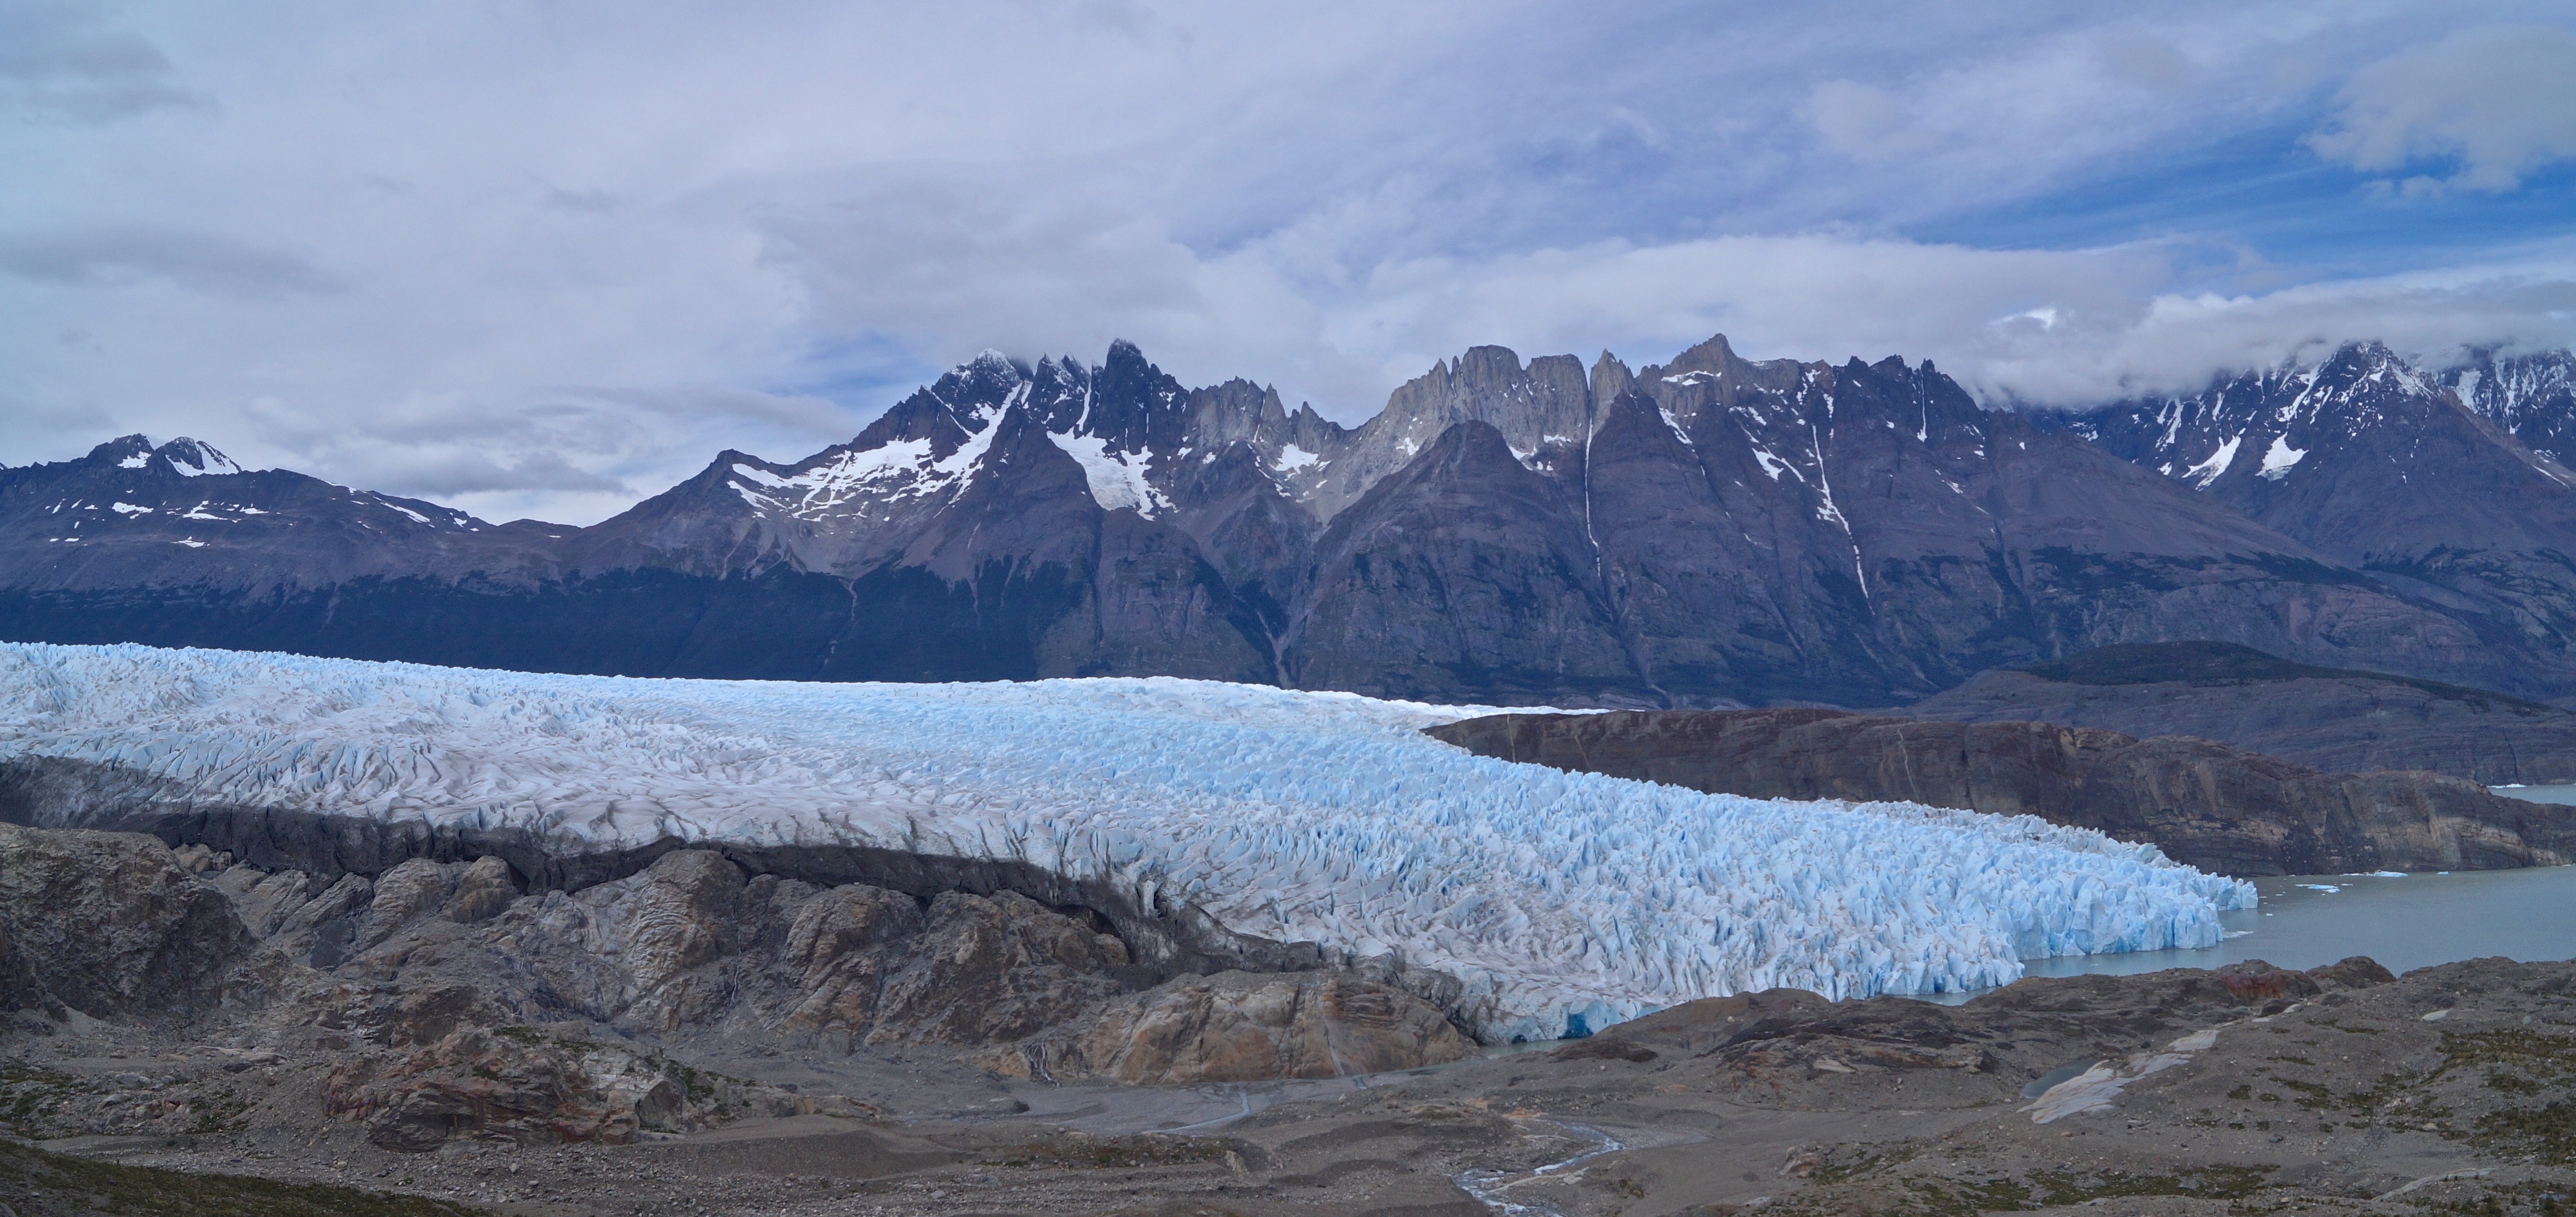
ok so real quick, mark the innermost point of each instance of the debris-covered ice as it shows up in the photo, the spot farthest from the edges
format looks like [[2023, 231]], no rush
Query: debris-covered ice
[[1323, 817]]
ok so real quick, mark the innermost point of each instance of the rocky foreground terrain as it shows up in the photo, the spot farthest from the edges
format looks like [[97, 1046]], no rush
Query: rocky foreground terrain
[[2204, 803], [186, 1036]]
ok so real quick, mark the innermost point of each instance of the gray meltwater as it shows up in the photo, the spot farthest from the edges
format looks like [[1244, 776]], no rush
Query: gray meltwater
[[2405, 922], [2414, 921]]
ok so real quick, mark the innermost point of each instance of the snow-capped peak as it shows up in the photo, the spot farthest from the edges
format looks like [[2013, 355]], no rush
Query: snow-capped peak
[[196, 458]]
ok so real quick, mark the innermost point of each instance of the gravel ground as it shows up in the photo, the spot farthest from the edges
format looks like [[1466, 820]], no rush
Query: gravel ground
[[2451, 1089]]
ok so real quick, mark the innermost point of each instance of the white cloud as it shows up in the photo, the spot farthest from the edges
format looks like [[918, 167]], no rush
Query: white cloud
[[547, 258], [2498, 102]]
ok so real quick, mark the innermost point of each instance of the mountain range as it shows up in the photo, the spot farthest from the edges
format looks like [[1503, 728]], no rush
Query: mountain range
[[1711, 532]]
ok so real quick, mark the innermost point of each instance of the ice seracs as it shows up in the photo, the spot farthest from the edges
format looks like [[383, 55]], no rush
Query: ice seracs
[[1290, 816]]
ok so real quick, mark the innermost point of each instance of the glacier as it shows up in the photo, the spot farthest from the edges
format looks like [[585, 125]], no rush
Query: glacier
[[1559, 900]]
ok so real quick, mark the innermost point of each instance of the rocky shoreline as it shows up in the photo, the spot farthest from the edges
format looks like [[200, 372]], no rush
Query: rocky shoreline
[[691, 1039]]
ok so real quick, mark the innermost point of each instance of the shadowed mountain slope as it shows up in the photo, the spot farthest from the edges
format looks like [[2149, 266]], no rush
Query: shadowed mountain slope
[[1711, 532]]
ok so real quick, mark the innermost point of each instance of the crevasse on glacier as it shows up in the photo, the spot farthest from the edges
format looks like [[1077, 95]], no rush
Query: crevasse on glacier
[[1323, 817]]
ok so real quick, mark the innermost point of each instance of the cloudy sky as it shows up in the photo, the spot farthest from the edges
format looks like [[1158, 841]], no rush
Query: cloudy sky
[[543, 257]]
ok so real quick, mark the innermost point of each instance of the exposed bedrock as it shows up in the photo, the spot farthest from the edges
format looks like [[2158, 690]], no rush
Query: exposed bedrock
[[2204, 803], [2337, 720], [1243, 1027], [477, 1005]]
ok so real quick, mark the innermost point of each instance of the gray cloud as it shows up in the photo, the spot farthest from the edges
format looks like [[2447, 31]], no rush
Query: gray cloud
[[451, 474], [126, 253], [587, 202], [58, 61], [2498, 102]]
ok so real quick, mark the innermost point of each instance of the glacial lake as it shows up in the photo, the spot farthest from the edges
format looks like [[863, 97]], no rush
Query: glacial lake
[[2408, 922]]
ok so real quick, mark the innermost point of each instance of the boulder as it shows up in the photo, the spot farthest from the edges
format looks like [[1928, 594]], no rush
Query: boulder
[[1245, 1026], [486, 888], [993, 969], [109, 923]]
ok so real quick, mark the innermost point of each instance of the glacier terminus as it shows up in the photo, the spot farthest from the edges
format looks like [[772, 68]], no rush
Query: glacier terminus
[[1558, 902]]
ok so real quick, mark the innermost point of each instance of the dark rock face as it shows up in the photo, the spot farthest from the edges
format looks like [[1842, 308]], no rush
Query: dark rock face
[[2203, 803], [1715, 532], [107, 924], [2337, 720]]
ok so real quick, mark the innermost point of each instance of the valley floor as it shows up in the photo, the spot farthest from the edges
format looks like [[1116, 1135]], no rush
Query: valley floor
[[2247, 1090]]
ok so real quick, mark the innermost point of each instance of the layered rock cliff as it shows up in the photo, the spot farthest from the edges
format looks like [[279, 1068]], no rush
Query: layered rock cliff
[[2337, 720], [2204, 803]]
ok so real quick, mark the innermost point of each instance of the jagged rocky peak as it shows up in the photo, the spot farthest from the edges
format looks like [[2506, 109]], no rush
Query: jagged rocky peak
[[2260, 426], [1713, 375], [1545, 411], [1544, 402], [2362, 455], [2532, 396]]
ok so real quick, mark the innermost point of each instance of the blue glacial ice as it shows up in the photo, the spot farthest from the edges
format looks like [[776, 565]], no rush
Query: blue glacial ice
[[1294, 816]]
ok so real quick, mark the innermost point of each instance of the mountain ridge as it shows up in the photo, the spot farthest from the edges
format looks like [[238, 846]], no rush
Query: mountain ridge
[[1708, 532]]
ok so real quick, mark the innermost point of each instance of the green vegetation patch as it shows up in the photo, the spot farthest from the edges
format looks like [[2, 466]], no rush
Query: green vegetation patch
[[1115, 1153], [26, 1093], [2548, 1058], [2536, 1134], [2204, 1183], [81, 1185]]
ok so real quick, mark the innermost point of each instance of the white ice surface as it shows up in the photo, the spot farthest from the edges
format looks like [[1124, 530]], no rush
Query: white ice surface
[[1323, 817]]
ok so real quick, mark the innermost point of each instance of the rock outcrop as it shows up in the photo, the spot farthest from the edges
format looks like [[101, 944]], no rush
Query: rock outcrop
[[108, 923], [2204, 803], [2337, 720], [1243, 1027], [689, 945], [531, 1086], [471, 1011]]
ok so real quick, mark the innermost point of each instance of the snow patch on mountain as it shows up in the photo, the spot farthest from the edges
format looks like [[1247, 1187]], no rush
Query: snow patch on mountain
[[2279, 459], [1117, 479], [2202, 474], [1293, 816], [197, 458]]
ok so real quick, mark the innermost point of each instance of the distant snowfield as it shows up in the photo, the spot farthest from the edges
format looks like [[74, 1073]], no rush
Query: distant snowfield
[[1323, 817]]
